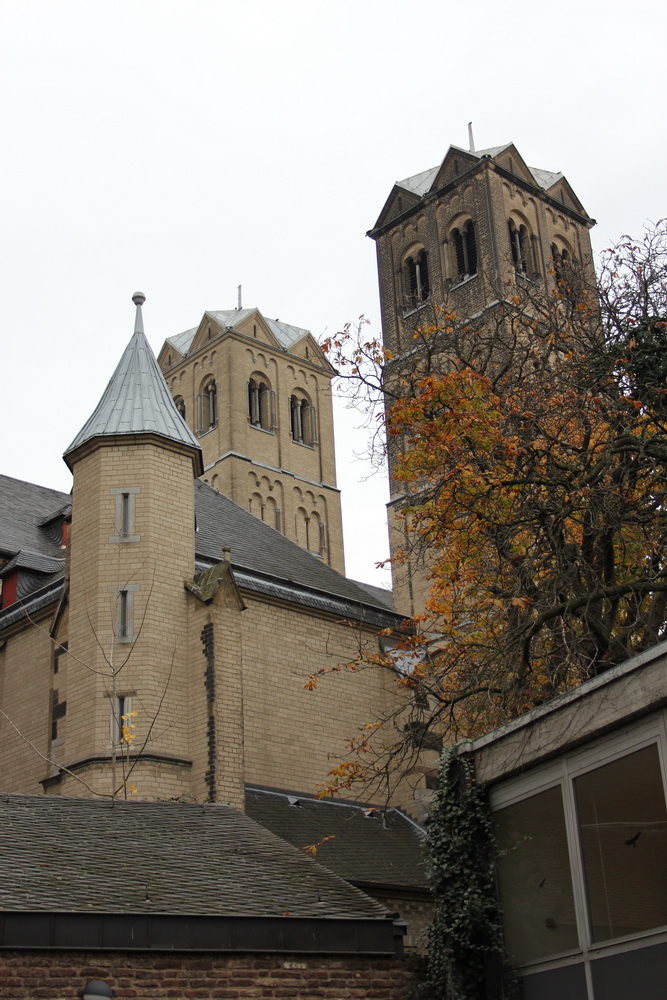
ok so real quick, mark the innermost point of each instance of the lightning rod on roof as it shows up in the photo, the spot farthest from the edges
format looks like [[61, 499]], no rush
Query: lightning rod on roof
[[239, 298], [471, 141]]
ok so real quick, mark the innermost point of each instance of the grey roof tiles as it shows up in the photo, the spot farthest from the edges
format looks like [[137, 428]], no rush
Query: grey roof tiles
[[367, 846], [259, 549], [98, 856]]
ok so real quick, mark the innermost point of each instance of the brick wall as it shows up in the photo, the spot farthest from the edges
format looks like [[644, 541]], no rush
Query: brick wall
[[183, 976]]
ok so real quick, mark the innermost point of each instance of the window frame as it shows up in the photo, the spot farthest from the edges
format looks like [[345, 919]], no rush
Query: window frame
[[563, 773], [125, 513]]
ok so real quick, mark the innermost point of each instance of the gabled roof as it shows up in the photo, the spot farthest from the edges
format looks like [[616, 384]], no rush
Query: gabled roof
[[160, 858], [369, 846], [424, 183], [266, 561], [286, 334], [136, 400]]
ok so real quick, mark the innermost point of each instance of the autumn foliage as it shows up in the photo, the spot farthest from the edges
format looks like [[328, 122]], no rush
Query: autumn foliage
[[531, 452]]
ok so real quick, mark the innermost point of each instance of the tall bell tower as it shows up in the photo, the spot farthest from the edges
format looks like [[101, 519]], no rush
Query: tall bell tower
[[256, 393], [468, 233]]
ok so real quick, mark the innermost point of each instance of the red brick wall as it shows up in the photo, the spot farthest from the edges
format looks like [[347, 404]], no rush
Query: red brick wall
[[25, 975]]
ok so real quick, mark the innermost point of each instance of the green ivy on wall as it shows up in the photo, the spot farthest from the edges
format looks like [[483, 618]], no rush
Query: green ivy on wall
[[465, 946]]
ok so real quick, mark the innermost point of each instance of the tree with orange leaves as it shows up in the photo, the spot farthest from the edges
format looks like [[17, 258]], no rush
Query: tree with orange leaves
[[531, 450]]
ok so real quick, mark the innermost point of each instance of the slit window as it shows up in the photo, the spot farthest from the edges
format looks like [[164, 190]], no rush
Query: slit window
[[125, 512], [121, 725], [124, 612]]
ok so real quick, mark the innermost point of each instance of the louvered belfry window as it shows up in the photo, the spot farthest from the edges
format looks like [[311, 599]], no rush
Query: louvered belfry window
[[465, 250], [418, 286]]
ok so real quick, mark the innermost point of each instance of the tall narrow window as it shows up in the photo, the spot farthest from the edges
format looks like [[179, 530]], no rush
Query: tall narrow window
[[465, 251], [180, 405], [123, 615], [519, 246], [418, 285], [208, 401], [124, 612], [295, 419], [125, 513], [121, 724], [126, 526]]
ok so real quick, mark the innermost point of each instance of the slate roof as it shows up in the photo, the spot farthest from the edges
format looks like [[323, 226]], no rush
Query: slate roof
[[91, 855], [136, 400], [285, 333], [370, 847], [25, 507], [421, 183], [267, 561], [263, 559]]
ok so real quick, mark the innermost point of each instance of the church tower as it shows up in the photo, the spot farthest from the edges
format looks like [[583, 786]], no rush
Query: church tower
[[256, 393], [469, 233]]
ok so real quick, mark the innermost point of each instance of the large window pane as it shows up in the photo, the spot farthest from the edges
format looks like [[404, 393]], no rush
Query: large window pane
[[623, 830], [534, 878]]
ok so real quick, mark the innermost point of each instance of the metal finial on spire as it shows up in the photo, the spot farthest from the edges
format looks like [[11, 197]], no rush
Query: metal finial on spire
[[139, 298]]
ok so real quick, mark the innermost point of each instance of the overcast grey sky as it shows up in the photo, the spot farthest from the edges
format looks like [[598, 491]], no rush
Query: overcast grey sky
[[184, 148]]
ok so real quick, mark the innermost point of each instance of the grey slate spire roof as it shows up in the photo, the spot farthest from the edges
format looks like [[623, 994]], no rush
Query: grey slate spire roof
[[136, 400]]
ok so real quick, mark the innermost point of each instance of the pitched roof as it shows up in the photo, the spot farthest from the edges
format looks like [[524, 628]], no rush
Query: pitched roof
[[267, 561], [421, 183], [285, 333], [263, 559], [25, 508], [211, 859], [136, 400], [365, 845]]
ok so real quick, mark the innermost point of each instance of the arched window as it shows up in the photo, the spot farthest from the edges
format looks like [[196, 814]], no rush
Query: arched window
[[417, 280], [465, 250], [303, 419], [208, 406], [260, 408], [562, 261], [180, 405], [522, 251]]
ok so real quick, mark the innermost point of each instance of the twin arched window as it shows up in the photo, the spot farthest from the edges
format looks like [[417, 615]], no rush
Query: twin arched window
[[417, 280], [524, 256], [562, 261], [465, 250], [260, 399], [303, 419]]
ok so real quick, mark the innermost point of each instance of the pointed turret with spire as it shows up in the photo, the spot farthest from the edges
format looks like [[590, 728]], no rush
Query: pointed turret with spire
[[136, 402], [131, 551]]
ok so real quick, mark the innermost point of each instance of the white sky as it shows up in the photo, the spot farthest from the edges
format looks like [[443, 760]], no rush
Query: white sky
[[184, 148]]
